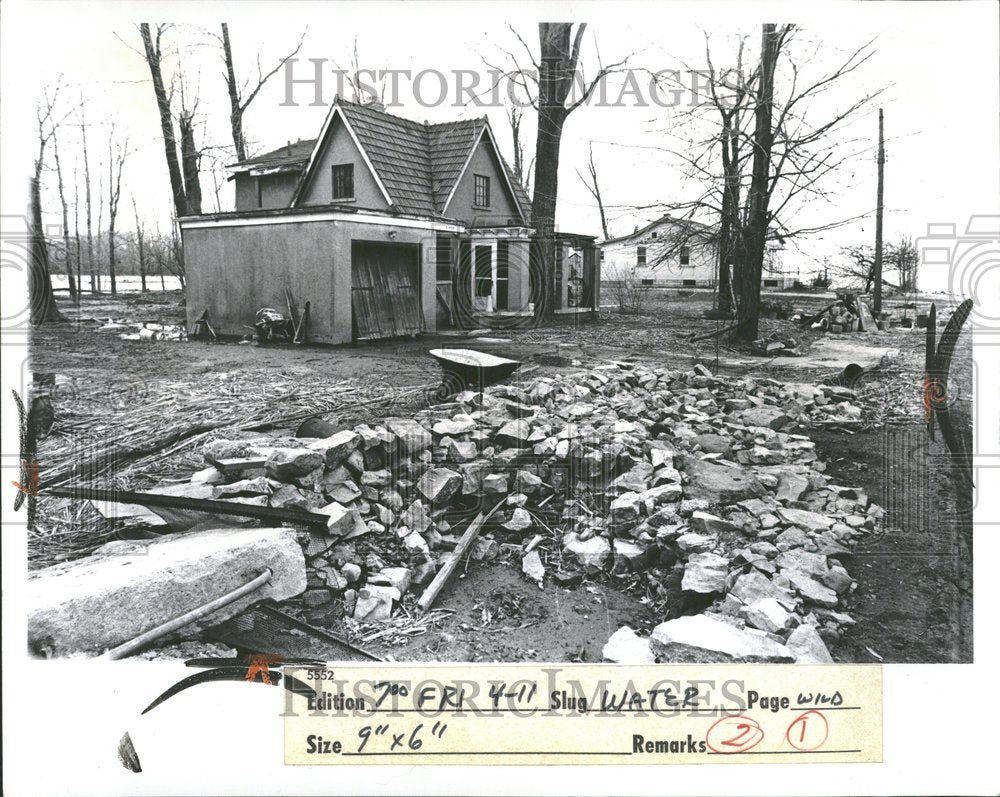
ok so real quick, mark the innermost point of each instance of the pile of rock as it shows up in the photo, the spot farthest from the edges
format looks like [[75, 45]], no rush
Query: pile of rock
[[705, 487], [776, 345], [849, 314]]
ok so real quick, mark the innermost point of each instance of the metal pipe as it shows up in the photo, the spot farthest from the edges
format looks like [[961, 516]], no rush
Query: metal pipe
[[130, 647]]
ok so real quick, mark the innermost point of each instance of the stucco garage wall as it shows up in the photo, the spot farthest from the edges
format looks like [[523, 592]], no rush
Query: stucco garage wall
[[235, 270]]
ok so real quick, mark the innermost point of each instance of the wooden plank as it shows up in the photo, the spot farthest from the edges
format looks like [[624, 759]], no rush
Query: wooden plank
[[209, 505], [432, 591]]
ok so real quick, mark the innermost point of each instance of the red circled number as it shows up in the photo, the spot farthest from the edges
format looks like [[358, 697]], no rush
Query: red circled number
[[735, 734], [808, 731]]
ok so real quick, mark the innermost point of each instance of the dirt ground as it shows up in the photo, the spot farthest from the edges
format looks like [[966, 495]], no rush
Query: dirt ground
[[914, 598]]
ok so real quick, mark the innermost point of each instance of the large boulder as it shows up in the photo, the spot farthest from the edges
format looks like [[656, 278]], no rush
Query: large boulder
[[702, 638], [98, 602]]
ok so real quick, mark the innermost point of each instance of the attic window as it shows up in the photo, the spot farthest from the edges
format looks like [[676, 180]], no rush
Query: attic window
[[343, 181], [640, 255], [685, 255], [481, 193], [653, 235]]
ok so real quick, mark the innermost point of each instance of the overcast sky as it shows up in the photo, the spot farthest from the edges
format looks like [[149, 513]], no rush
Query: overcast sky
[[939, 61]]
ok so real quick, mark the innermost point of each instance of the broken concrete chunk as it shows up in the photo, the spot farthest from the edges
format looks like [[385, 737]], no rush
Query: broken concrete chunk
[[813, 564], [515, 434], [285, 464], [710, 524], [810, 521], [336, 448], [494, 484], [416, 517], [345, 492], [342, 520], [722, 483], [437, 485], [625, 508], [398, 577], [624, 646], [520, 520], [703, 638], [526, 482], [410, 435], [532, 567], [771, 417], [592, 554], [753, 586], [812, 590], [807, 646], [696, 543], [95, 603], [459, 451], [705, 573], [374, 603], [630, 554], [767, 615], [792, 486]]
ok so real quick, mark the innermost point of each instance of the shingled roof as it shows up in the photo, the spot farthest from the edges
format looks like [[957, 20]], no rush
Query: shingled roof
[[418, 163], [288, 155]]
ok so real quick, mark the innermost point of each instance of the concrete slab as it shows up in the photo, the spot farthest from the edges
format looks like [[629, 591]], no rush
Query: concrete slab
[[831, 353], [98, 602]]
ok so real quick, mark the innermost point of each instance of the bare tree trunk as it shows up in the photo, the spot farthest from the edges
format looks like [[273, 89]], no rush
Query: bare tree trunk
[[189, 160], [76, 232], [142, 250], [95, 285], [100, 232], [235, 110], [116, 163], [43, 302], [594, 187], [758, 219], [238, 104], [153, 55], [556, 69], [65, 222]]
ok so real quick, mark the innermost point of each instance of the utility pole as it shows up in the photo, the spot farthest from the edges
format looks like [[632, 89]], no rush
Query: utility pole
[[878, 220]]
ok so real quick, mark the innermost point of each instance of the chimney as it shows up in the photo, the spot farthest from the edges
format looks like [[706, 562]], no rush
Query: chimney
[[289, 150], [375, 105]]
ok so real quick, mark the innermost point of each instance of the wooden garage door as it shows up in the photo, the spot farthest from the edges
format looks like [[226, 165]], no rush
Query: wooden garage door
[[385, 293]]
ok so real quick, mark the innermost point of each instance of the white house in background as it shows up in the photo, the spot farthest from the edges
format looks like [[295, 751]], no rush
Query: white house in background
[[678, 253]]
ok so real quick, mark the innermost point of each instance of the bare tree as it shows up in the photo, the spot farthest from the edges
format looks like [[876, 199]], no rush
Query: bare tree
[[591, 183], [859, 268], [190, 154], [556, 69], [117, 153], [76, 232], [522, 170], [43, 304], [152, 49], [140, 241], [240, 97], [758, 218], [74, 295], [95, 285], [776, 154]]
